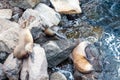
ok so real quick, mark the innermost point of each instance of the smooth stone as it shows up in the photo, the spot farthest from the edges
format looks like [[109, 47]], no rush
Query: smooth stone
[[67, 6]]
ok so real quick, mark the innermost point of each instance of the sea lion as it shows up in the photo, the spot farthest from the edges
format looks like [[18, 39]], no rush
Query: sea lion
[[79, 58], [49, 32], [25, 45], [52, 33]]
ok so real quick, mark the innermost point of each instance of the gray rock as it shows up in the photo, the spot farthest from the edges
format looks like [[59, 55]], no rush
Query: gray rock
[[9, 32], [2, 74], [31, 16], [57, 76], [35, 67], [24, 3], [4, 4], [3, 56], [5, 13], [58, 51], [12, 67], [67, 6], [17, 13], [24, 71], [38, 64], [48, 15], [41, 15]]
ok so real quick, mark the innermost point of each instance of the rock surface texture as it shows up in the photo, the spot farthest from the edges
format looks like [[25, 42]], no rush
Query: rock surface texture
[[32, 17], [67, 6], [41, 15], [5, 13], [12, 67], [57, 76], [38, 64], [24, 3], [2, 74], [9, 34], [24, 75], [48, 15], [58, 51]]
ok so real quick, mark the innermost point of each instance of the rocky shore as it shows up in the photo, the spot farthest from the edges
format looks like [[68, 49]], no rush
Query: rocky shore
[[68, 39]]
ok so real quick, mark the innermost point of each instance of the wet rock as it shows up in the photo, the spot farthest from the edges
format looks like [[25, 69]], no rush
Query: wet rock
[[48, 15], [5, 13], [94, 56], [79, 28], [12, 67], [8, 35], [38, 64], [2, 74], [77, 75], [90, 76], [67, 7], [24, 3], [58, 51], [66, 68], [57, 76]]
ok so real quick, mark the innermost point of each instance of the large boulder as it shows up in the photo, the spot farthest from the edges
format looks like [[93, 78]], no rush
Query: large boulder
[[67, 6], [58, 51], [12, 67], [9, 34], [41, 15], [5, 13], [38, 64], [49, 16], [35, 67], [24, 3]]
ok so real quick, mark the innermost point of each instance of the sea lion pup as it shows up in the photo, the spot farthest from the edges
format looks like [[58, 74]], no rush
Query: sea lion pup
[[79, 58], [25, 45], [51, 33]]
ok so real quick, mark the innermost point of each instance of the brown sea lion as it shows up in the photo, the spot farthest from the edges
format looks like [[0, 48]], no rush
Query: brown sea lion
[[25, 45], [79, 58]]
